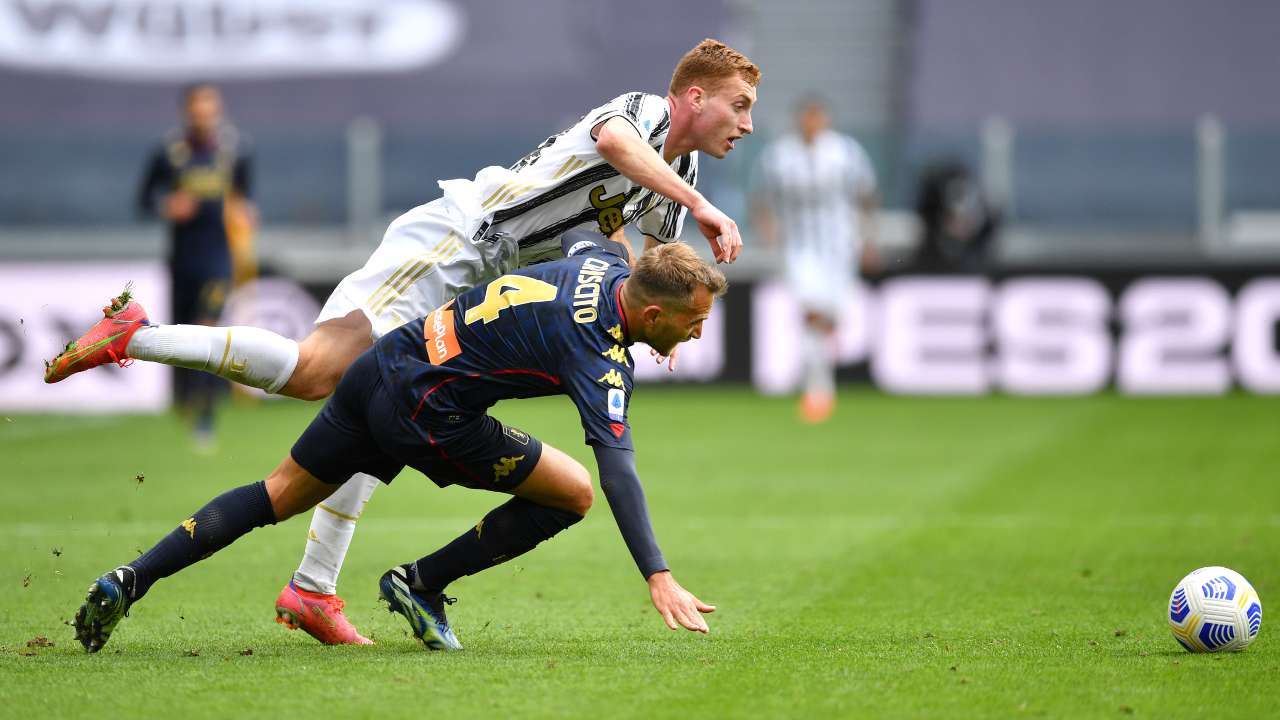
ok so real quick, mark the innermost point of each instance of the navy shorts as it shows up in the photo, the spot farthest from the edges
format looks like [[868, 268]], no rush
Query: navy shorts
[[363, 429]]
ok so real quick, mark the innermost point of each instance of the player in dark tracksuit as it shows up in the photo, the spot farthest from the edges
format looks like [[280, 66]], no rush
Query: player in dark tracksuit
[[419, 398], [187, 183]]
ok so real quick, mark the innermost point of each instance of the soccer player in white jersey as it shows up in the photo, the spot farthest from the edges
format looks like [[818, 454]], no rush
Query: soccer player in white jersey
[[816, 194], [633, 160]]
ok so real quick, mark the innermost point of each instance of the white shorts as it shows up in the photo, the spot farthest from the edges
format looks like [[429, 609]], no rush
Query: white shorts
[[425, 259], [819, 284]]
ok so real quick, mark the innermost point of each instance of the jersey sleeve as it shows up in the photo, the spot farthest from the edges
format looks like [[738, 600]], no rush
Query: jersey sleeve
[[862, 175], [157, 180], [645, 112], [600, 385], [665, 221]]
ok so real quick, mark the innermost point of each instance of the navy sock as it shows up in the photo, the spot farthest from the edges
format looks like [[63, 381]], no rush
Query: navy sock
[[509, 530], [215, 526]]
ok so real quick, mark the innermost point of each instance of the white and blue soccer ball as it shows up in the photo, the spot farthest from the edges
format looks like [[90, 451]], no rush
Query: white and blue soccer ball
[[1214, 609]]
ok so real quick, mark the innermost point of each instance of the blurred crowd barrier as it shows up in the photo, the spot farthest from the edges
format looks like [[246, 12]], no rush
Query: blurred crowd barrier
[[1023, 333]]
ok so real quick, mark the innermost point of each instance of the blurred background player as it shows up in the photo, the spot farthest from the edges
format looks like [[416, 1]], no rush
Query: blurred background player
[[199, 181], [815, 194]]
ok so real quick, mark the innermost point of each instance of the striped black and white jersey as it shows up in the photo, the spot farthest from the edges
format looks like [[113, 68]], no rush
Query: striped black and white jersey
[[813, 191], [565, 184]]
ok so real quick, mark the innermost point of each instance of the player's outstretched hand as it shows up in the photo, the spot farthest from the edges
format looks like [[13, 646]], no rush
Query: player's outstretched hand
[[719, 229], [669, 359], [677, 605]]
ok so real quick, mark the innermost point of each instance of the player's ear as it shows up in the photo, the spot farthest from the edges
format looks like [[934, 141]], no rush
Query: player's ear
[[650, 314], [696, 97]]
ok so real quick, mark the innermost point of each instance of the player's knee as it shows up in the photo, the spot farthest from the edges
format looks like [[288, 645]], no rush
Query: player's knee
[[582, 494], [312, 379]]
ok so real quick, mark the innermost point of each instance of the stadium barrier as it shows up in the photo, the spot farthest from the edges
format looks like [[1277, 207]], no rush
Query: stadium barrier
[[1027, 333], [46, 304]]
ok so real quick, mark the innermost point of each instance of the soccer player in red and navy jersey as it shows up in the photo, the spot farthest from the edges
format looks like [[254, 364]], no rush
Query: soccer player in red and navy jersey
[[420, 398]]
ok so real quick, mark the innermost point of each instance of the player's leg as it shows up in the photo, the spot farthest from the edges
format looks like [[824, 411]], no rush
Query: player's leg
[[818, 400], [288, 490], [420, 265], [552, 492], [206, 390]]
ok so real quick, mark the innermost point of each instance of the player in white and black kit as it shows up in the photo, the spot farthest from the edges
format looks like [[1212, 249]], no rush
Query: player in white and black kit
[[816, 194], [632, 160]]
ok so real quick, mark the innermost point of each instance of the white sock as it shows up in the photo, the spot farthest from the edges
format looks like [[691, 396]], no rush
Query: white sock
[[332, 525], [246, 355], [820, 369]]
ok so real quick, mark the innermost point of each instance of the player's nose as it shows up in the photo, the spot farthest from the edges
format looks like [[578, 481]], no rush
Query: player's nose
[[745, 127]]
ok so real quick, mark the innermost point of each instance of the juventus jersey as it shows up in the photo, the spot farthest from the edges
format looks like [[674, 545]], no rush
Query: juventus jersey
[[565, 184], [813, 190]]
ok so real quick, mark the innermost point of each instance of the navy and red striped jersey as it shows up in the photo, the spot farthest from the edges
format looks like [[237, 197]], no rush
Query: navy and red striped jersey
[[554, 328]]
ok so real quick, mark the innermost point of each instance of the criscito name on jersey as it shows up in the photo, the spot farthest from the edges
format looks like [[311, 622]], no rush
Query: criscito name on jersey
[[586, 296]]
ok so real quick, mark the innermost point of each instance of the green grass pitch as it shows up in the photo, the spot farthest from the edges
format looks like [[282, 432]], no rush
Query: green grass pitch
[[997, 557]]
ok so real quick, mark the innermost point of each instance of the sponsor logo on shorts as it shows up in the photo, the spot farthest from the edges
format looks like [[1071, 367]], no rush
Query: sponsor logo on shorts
[[617, 405], [437, 329], [516, 434], [504, 466]]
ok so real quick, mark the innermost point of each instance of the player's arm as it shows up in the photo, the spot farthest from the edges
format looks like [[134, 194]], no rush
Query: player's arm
[[868, 202], [157, 180], [621, 486], [622, 147]]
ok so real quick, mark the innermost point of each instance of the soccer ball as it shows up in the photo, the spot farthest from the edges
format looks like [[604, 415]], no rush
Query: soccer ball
[[1214, 610]]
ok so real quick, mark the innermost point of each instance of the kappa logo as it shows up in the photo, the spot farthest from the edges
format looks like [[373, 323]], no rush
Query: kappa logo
[[616, 332], [503, 468], [617, 405], [614, 378], [190, 526], [618, 355]]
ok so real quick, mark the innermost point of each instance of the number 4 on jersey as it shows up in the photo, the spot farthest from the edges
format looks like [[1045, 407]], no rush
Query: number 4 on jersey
[[509, 291]]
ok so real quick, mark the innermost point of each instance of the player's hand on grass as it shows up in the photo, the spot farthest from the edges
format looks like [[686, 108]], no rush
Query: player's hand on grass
[[669, 359], [678, 607], [719, 229]]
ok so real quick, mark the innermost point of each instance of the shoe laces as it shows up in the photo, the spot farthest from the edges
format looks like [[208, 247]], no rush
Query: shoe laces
[[333, 603]]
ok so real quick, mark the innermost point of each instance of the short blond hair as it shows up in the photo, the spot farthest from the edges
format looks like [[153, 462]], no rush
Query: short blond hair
[[709, 64], [671, 273]]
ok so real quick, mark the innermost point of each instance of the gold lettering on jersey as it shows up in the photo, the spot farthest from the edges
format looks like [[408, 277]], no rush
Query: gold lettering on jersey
[[586, 296], [501, 469], [610, 216], [616, 332], [614, 378], [617, 354]]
